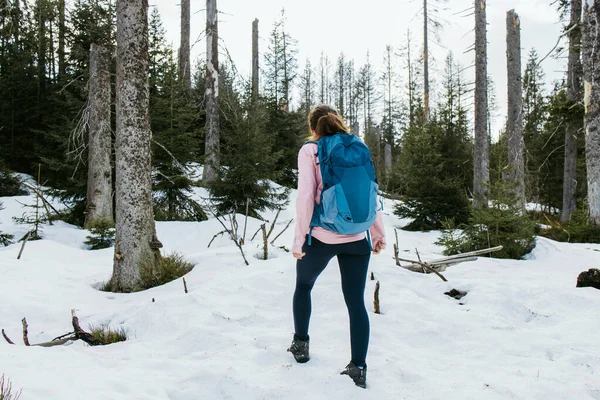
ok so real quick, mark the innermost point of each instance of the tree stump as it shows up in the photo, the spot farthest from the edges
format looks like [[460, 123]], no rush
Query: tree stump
[[590, 278]]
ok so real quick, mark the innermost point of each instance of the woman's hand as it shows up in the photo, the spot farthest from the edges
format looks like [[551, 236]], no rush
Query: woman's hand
[[378, 247], [299, 255]]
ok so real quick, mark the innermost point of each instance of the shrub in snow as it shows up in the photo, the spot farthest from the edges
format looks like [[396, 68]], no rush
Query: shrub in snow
[[590, 278], [164, 270], [10, 185], [106, 335], [102, 235], [579, 229], [503, 223], [6, 390], [5, 238]]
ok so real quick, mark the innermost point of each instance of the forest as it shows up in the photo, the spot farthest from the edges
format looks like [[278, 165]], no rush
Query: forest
[[109, 131]]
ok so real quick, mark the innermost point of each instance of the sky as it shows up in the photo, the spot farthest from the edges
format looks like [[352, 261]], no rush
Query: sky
[[335, 27]]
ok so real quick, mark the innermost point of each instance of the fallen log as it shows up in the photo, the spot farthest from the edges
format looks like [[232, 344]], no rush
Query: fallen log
[[441, 264]]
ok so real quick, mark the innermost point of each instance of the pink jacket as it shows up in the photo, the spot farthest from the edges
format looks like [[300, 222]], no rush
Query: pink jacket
[[310, 186]]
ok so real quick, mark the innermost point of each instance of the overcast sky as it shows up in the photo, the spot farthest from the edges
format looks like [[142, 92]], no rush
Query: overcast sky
[[335, 26]]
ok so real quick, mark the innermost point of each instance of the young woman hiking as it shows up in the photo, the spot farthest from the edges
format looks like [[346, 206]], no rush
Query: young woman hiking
[[314, 246]]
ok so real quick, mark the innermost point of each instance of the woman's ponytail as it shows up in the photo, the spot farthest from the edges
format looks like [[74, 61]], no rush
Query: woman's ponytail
[[325, 121]]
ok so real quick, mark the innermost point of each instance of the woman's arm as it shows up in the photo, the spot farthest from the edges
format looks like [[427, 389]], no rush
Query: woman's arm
[[305, 200]]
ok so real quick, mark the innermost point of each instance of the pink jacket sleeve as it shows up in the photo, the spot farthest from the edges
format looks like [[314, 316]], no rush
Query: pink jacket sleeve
[[378, 231], [305, 201]]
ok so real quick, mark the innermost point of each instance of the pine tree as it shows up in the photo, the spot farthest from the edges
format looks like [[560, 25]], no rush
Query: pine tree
[[175, 127], [5, 238], [431, 196], [286, 125], [251, 156]]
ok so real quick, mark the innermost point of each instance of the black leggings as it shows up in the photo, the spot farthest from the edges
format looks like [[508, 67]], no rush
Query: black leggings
[[353, 259]]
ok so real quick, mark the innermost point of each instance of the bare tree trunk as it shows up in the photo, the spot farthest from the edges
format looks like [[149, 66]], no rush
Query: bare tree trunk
[[425, 61], [136, 242], [255, 55], [388, 158], [62, 66], [514, 118], [481, 151], [184, 47], [574, 74], [211, 163], [99, 188], [42, 43], [591, 69]]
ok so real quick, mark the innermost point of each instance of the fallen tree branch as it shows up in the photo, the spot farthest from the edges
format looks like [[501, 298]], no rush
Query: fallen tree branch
[[281, 233], [214, 237], [376, 299], [77, 334], [423, 266], [25, 239], [273, 224], [6, 338], [25, 335]]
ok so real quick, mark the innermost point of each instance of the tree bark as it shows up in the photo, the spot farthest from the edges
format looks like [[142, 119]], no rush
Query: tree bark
[[426, 61], [212, 163], [574, 75], [135, 241], [62, 65], [255, 65], [42, 44], [514, 118], [591, 69], [388, 158], [99, 188], [481, 150], [184, 47]]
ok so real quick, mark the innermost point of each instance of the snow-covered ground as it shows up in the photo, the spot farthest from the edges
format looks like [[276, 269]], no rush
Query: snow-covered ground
[[523, 331]]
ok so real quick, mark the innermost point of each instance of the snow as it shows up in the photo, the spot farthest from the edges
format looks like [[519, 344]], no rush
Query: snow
[[523, 331]]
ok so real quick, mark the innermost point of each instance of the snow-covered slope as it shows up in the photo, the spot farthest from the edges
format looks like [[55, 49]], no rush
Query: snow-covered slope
[[523, 332]]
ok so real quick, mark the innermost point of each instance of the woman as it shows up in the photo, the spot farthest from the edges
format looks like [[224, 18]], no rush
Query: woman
[[352, 251]]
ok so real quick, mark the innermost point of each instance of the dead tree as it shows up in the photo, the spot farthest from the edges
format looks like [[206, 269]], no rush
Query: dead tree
[[481, 160], [255, 64], [591, 70], [388, 158], [574, 75], [514, 118], [135, 240], [184, 46], [99, 187], [211, 163]]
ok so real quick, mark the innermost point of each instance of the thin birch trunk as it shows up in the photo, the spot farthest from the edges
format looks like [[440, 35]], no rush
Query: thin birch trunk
[[574, 75], [591, 70], [514, 118], [99, 187], [184, 47], [481, 150], [135, 242], [255, 65], [211, 164]]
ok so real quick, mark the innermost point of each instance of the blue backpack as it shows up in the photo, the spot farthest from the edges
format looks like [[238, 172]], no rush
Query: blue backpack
[[348, 202]]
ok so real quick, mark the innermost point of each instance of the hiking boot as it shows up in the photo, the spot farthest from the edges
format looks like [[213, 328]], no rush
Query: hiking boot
[[299, 350], [358, 375]]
